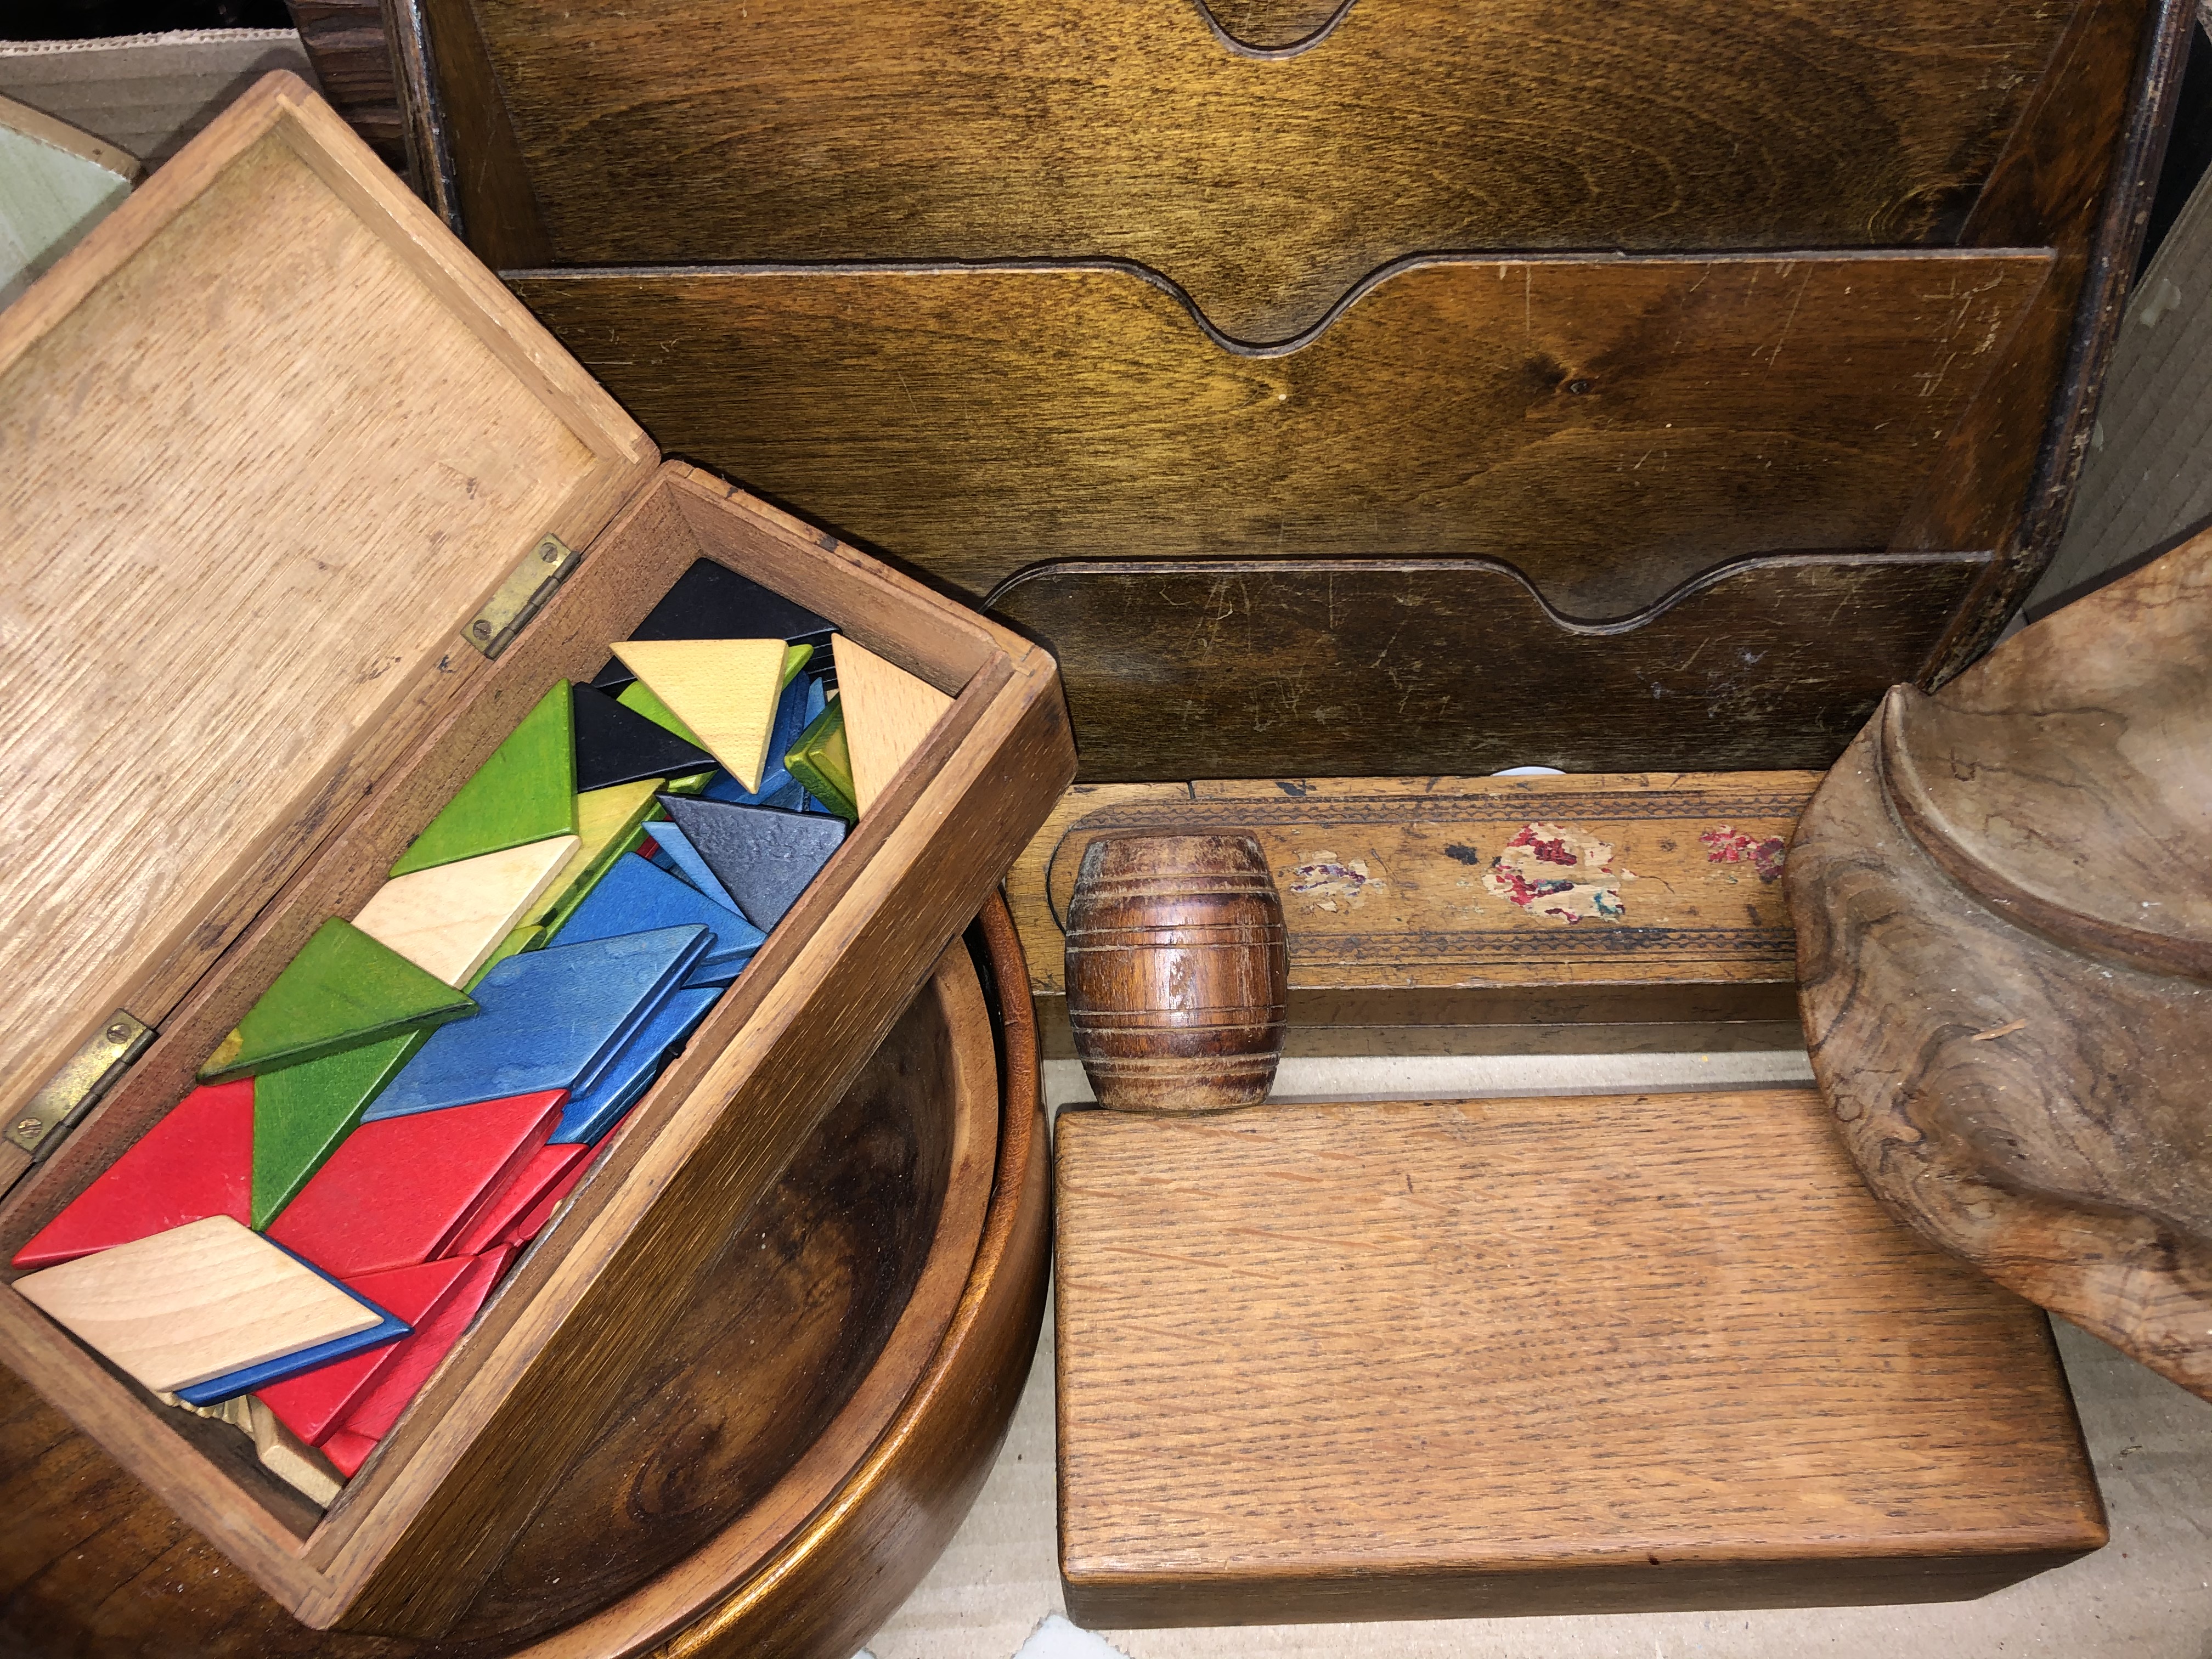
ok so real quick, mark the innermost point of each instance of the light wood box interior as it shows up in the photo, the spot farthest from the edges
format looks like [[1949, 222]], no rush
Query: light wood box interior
[[264, 525]]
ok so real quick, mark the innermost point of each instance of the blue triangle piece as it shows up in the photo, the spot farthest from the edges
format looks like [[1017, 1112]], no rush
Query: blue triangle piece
[[763, 858], [636, 895], [389, 1327], [589, 1116], [554, 1019], [684, 860]]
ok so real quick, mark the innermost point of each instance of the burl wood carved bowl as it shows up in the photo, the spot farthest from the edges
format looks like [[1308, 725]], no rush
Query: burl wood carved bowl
[[829, 1403], [2003, 901]]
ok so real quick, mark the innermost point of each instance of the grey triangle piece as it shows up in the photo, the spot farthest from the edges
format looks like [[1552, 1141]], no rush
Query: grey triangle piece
[[765, 856]]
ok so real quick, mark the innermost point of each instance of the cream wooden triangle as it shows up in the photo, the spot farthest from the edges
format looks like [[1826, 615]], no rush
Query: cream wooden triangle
[[448, 919], [888, 713], [726, 690]]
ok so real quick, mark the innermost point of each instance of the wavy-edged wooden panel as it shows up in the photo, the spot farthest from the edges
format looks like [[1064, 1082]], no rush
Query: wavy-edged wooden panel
[[1612, 426], [1265, 184], [1351, 667]]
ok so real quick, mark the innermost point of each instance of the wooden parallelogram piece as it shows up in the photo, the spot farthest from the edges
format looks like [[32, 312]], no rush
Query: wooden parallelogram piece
[[1459, 914], [1413, 1359]]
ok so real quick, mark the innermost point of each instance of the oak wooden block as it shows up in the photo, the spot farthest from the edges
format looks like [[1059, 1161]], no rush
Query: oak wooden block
[[726, 691], [1177, 977], [888, 714], [448, 920], [1391, 1360], [290, 1458], [194, 1303]]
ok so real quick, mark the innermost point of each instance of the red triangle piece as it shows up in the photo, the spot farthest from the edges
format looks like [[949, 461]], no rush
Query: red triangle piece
[[414, 1358], [534, 1218], [490, 1224], [348, 1451], [196, 1162], [398, 1190], [315, 1402]]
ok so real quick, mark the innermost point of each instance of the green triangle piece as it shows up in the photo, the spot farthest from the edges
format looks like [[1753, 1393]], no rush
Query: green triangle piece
[[344, 990], [641, 699], [795, 657], [526, 792], [823, 762], [528, 937], [301, 1113], [610, 822], [696, 784]]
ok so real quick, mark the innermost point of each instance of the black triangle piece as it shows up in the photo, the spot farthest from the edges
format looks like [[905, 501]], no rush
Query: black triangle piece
[[616, 745], [711, 601], [762, 855]]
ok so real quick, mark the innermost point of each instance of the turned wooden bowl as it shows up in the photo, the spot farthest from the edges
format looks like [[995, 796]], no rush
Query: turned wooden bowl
[[828, 1403]]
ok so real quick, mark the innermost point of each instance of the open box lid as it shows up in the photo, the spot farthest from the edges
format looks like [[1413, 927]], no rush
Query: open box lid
[[273, 439]]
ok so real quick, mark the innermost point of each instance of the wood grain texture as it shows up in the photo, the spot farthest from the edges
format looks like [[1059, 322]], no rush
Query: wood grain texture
[[723, 692], [888, 715], [194, 1303], [1353, 668], [1424, 1359], [1264, 187], [449, 919], [1177, 975], [2077, 175], [423, 1524], [794, 1577], [1611, 426], [346, 42], [1391, 927], [2006, 948], [194, 340]]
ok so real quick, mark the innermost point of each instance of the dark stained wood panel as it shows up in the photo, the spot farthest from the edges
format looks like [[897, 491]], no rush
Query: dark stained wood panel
[[1611, 426], [1352, 668], [681, 130], [1273, 25]]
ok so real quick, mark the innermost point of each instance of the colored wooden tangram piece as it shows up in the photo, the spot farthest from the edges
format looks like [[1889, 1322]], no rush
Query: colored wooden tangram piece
[[726, 691], [764, 858], [314, 1403], [196, 1162], [641, 699], [547, 1170], [615, 745], [533, 1222], [711, 601], [348, 1446], [197, 1302], [343, 990], [449, 919], [609, 823], [552, 1019], [888, 714], [590, 1115], [676, 854], [636, 896], [526, 792], [398, 1191], [246, 1379], [820, 760], [801, 700], [301, 1113]]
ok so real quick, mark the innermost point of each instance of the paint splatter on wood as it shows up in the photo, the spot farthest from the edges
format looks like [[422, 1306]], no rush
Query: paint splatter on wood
[[1729, 846], [1324, 877], [1551, 870]]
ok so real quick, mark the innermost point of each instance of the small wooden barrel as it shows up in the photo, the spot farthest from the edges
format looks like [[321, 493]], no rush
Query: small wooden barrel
[[1178, 976]]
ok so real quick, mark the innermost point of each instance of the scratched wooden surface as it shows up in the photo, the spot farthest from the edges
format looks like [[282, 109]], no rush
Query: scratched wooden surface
[[1399, 917], [671, 131], [1405, 1359], [1610, 426]]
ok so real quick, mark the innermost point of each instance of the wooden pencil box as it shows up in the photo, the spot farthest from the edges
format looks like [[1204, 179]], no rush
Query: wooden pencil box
[[1404, 387], [291, 475]]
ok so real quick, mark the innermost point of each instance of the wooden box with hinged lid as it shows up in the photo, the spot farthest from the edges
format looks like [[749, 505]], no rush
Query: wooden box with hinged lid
[[289, 478]]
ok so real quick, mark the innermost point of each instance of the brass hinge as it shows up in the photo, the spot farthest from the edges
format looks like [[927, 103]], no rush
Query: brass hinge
[[522, 595], [70, 1092]]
